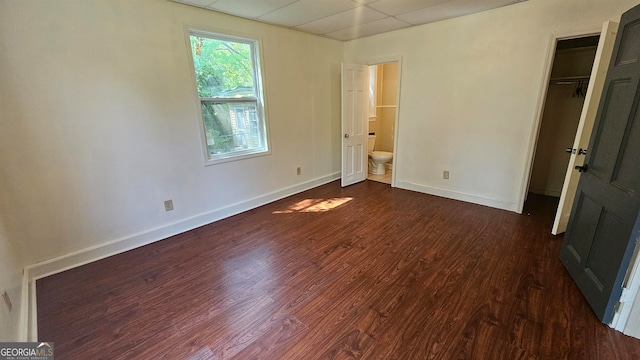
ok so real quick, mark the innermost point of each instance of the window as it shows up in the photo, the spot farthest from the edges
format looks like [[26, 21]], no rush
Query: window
[[230, 95]]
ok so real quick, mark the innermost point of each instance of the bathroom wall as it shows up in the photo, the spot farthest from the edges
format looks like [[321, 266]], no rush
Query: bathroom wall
[[387, 115], [374, 123], [386, 95]]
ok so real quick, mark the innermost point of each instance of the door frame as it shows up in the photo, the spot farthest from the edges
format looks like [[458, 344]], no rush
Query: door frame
[[381, 61], [630, 288], [542, 99]]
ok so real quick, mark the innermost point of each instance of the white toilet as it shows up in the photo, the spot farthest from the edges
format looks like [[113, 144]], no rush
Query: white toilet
[[377, 159]]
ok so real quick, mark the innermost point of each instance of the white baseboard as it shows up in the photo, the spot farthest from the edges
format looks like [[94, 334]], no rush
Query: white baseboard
[[456, 195], [28, 323]]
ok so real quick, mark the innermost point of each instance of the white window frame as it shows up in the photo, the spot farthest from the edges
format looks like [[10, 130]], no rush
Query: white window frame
[[258, 99]]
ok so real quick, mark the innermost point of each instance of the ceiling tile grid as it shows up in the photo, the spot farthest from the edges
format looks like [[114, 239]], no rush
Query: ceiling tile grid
[[305, 11], [348, 19], [356, 16], [371, 28]]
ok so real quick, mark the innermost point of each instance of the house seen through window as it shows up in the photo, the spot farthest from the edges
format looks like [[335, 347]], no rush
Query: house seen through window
[[230, 94]]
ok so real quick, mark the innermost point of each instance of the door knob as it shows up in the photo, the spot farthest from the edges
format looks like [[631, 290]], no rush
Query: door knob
[[346, 136], [582, 168], [571, 150], [582, 152]]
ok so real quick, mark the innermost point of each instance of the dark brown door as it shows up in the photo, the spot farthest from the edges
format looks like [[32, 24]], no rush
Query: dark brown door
[[604, 227]]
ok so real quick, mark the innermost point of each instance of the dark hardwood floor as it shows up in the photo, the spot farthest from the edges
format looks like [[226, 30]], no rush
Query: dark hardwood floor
[[365, 272]]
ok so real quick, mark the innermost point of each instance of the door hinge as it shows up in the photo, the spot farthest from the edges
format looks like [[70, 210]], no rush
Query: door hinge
[[616, 309], [624, 297]]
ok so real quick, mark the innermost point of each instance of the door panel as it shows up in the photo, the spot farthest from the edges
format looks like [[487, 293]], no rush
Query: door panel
[[626, 175], [631, 34], [598, 263], [602, 231], [354, 123], [586, 208], [585, 126], [616, 107]]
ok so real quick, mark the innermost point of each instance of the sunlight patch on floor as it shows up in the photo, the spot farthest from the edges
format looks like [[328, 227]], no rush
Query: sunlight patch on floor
[[314, 205]]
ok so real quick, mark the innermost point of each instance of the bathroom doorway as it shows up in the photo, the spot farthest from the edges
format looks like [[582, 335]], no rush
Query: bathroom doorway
[[383, 114]]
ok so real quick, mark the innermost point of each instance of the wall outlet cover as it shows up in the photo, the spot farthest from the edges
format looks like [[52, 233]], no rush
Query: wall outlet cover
[[168, 205]]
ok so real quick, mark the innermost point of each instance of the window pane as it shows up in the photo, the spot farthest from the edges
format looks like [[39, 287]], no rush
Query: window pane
[[240, 118], [253, 120], [223, 68], [226, 128]]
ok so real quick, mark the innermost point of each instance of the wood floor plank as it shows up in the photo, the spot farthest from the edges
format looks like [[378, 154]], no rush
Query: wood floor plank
[[353, 345], [275, 342], [362, 272]]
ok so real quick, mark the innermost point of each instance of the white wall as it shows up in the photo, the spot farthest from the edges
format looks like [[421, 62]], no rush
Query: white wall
[[99, 126], [11, 282], [470, 94]]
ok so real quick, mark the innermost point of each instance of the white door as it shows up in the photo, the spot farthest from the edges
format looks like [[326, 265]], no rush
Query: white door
[[589, 110], [355, 103]]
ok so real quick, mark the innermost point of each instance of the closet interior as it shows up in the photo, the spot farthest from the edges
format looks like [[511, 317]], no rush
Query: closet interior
[[568, 86]]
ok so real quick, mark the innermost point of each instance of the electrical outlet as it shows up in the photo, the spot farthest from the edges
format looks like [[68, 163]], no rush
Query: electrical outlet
[[168, 205], [445, 174], [299, 171], [7, 300]]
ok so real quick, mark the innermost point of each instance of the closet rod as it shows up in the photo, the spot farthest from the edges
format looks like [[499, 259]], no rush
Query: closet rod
[[569, 80]]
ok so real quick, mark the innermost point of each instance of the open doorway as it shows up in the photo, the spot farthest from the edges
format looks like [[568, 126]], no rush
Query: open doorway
[[383, 110], [566, 94]]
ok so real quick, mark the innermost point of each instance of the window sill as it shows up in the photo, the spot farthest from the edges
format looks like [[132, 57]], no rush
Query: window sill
[[234, 157]]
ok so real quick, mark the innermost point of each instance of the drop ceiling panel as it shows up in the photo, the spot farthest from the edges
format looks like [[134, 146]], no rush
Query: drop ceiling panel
[[202, 3], [451, 9], [368, 29], [396, 7], [346, 19], [248, 8], [365, 1], [304, 11]]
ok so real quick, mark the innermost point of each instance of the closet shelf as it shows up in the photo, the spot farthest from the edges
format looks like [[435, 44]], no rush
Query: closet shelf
[[568, 79]]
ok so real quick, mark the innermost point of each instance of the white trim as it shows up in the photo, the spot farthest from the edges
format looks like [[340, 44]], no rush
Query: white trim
[[456, 195], [23, 330], [542, 98], [629, 294], [33, 313], [28, 328]]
